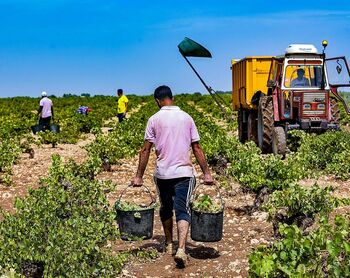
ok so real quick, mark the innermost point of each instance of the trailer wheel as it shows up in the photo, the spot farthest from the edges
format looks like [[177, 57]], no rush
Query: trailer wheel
[[335, 109], [242, 127], [265, 124], [252, 127], [279, 141]]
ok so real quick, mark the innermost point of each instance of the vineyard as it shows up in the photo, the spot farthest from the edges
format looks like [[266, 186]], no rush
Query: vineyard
[[284, 217]]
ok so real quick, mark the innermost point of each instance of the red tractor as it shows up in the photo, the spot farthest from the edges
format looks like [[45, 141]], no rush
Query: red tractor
[[301, 93]]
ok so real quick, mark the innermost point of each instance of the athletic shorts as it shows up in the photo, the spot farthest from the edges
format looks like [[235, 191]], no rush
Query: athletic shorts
[[174, 194]]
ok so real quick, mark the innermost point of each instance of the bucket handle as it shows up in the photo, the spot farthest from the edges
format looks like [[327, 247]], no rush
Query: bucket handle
[[217, 190], [147, 189]]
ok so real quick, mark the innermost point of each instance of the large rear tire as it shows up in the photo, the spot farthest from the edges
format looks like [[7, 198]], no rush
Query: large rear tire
[[252, 127], [335, 109], [265, 124], [279, 142]]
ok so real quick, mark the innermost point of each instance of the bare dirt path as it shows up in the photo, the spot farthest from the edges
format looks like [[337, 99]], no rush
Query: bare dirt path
[[227, 258], [27, 171]]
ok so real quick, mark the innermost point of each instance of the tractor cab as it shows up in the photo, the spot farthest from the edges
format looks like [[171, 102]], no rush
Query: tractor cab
[[299, 85], [303, 85]]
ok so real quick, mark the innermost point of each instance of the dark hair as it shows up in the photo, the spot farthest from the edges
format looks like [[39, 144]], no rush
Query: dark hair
[[120, 91], [301, 70], [163, 92]]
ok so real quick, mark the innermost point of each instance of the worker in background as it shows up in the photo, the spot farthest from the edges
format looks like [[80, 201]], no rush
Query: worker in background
[[174, 133], [122, 105], [84, 110], [300, 81], [45, 111]]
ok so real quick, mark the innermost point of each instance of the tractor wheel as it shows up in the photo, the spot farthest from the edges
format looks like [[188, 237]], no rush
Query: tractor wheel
[[335, 111], [265, 124], [252, 130], [242, 127], [279, 141]]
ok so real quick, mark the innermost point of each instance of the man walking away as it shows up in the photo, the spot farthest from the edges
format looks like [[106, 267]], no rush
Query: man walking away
[[174, 133], [122, 105], [45, 111]]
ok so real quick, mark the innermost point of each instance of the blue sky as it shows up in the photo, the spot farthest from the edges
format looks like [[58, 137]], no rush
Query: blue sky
[[96, 47]]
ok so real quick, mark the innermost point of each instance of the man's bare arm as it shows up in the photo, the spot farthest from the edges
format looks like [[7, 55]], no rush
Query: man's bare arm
[[143, 160], [199, 154]]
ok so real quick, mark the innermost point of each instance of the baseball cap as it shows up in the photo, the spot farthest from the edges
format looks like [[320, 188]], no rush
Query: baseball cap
[[44, 94]]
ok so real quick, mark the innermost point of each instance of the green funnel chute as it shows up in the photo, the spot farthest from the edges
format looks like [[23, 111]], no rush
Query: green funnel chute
[[190, 48]]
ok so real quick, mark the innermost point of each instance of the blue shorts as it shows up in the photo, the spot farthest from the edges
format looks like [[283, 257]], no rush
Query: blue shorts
[[174, 194], [121, 116]]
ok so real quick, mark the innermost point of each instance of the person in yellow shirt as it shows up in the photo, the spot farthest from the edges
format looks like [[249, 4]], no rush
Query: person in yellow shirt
[[122, 105]]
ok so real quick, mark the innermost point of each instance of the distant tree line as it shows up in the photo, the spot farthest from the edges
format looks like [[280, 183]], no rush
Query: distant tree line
[[74, 95], [218, 92]]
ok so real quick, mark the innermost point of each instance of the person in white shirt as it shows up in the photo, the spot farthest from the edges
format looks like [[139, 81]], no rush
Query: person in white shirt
[[45, 111], [173, 133], [300, 81]]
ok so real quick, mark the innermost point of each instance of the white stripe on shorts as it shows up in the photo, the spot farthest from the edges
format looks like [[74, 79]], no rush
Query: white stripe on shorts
[[191, 187]]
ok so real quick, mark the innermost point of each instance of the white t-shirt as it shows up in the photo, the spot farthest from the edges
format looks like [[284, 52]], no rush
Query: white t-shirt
[[46, 103], [172, 131]]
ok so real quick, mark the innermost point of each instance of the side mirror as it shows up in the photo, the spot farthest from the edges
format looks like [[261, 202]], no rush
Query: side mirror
[[338, 72], [339, 68]]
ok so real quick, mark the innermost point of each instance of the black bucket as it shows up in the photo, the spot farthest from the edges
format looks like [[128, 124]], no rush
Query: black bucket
[[206, 227], [33, 269], [36, 128], [55, 128], [135, 224]]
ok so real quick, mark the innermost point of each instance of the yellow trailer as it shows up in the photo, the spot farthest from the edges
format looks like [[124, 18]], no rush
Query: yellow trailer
[[249, 76]]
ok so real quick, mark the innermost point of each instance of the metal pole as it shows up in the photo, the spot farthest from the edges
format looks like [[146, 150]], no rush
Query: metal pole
[[205, 85], [323, 68]]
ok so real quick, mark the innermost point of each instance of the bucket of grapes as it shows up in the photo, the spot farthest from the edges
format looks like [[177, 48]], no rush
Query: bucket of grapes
[[207, 216], [135, 221], [36, 128]]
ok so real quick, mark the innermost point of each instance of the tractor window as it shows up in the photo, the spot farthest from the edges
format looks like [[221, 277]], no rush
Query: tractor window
[[338, 73], [303, 76], [273, 71]]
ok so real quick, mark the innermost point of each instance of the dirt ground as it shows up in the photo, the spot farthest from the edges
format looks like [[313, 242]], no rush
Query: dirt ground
[[226, 258]]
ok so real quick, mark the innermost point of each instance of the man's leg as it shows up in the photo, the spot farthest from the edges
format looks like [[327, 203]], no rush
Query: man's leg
[[46, 123], [168, 230], [183, 192], [120, 117], [166, 192], [182, 231]]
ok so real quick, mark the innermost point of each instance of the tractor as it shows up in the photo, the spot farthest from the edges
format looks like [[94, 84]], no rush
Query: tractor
[[276, 94]]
